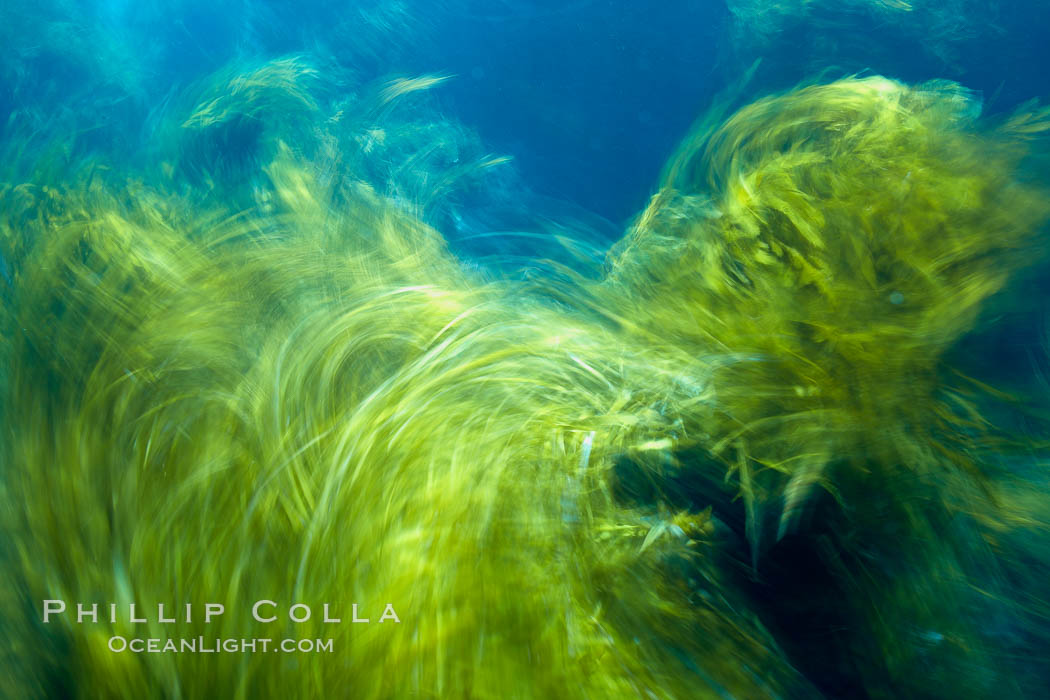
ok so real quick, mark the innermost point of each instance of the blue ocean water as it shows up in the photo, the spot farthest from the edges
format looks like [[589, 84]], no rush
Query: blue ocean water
[[588, 96]]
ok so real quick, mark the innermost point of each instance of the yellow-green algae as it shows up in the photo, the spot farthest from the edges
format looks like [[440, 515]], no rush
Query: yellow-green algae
[[283, 385], [836, 241]]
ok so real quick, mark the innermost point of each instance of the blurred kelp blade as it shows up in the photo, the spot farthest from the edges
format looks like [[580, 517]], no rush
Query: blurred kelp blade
[[837, 242], [254, 372]]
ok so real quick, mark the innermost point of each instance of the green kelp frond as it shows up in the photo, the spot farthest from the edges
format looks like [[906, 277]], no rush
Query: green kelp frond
[[236, 418], [842, 237], [303, 396], [276, 382], [281, 86]]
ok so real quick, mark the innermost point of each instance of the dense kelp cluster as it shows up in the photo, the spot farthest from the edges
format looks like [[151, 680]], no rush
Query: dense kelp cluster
[[737, 462], [834, 243]]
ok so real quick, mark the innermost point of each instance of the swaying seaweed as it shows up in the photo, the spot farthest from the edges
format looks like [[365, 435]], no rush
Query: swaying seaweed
[[274, 381], [842, 238]]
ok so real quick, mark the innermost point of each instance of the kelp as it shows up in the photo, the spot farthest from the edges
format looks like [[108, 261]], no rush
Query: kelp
[[839, 240], [281, 384]]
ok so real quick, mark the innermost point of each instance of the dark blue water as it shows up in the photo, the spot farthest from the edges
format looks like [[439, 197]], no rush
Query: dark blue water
[[588, 96]]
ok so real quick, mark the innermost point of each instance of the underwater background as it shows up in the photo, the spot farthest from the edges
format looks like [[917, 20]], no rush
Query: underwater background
[[589, 97], [629, 349]]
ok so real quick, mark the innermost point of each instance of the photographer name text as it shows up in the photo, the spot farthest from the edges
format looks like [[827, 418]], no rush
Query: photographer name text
[[264, 611]]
